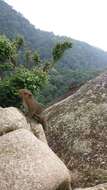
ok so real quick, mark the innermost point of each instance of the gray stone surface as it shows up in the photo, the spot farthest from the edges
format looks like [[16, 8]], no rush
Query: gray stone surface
[[97, 187], [77, 132], [12, 119], [27, 163]]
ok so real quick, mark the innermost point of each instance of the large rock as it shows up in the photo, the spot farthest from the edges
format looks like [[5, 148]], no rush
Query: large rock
[[12, 119], [97, 187], [77, 132], [27, 163]]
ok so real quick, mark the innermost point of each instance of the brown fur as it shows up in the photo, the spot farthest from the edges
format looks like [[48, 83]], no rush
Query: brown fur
[[33, 108]]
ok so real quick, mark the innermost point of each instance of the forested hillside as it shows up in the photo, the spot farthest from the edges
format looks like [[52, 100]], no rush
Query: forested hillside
[[81, 63]]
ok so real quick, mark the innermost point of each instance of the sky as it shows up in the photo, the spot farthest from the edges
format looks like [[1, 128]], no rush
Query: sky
[[84, 20]]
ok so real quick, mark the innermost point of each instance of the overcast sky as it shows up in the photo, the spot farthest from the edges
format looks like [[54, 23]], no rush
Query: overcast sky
[[84, 20]]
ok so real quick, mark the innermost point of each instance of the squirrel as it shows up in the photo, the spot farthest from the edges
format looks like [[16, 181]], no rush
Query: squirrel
[[32, 107]]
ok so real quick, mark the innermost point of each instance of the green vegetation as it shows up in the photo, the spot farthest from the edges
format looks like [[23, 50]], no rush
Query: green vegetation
[[79, 63], [8, 54], [32, 75], [59, 83]]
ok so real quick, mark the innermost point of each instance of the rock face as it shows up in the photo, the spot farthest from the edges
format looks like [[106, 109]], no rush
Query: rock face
[[11, 119], [97, 187], [77, 132], [27, 163]]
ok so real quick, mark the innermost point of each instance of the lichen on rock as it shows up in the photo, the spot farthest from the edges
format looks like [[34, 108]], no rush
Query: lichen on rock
[[77, 131]]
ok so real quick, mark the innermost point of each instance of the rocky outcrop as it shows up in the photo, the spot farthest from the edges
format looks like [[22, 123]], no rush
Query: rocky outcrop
[[97, 187], [12, 119], [26, 163], [77, 132]]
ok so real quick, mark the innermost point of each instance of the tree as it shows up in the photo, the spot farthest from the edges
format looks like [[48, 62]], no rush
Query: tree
[[6, 49], [36, 58], [28, 59], [33, 59], [59, 50], [8, 54], [18, 42], [33, 75], [57, 53]]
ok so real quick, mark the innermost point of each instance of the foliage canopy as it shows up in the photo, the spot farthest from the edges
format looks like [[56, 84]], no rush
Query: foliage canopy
[[30, 75]]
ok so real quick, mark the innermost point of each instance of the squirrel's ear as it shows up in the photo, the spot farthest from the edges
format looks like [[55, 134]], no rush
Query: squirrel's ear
[[29, 94]]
